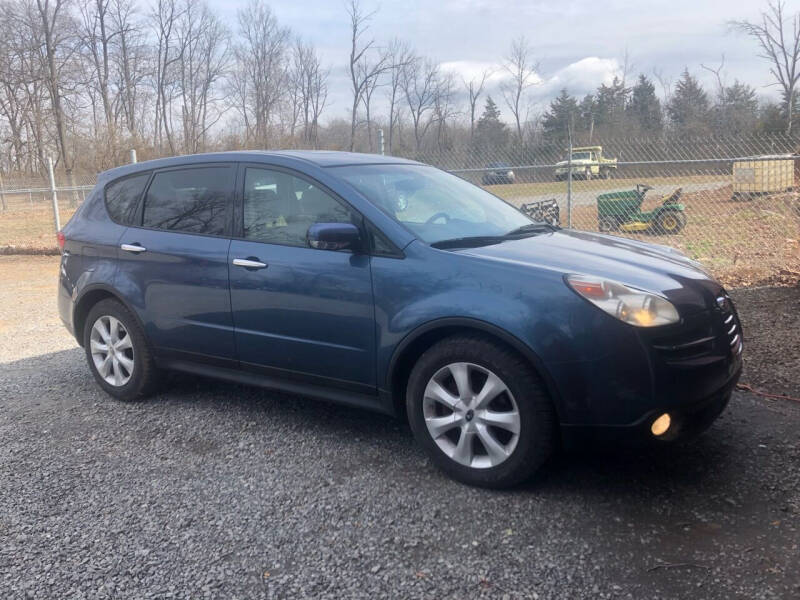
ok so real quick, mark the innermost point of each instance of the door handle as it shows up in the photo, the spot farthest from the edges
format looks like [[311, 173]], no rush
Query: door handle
[[248, 263], [133, 248]]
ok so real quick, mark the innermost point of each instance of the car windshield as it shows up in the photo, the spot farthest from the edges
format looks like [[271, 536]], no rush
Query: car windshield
[[581, 156], [434, 205]]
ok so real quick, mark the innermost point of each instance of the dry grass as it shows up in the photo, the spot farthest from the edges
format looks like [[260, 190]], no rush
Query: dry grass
[[31, 228]]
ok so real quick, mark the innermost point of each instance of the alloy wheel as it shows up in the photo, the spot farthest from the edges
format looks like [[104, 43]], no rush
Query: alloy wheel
[[471, 415], [112, 350]]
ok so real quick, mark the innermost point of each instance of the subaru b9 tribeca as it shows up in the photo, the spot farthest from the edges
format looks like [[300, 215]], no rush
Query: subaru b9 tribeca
[[390, 285]]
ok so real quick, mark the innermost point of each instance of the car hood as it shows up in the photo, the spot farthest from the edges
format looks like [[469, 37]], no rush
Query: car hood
[[641, 265]]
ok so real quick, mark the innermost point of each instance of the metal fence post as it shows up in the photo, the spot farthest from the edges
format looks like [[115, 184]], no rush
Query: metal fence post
[[53, 193], [569, 182], [133, 156], [2, 193], [380, 140]]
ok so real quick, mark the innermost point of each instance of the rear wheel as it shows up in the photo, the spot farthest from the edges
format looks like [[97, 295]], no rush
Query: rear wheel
[[670, 222], [607, 173], [480, 412], [117, 352]]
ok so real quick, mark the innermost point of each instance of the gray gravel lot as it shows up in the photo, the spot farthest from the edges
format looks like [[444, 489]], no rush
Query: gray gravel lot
[[223, 491]]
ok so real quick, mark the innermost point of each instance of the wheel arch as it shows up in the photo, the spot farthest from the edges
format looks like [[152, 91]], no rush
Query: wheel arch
[[415, 343], [88, 298]]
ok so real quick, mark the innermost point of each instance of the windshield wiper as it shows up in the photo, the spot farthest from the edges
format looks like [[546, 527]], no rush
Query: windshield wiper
[[487, 240], [469, 242], [538, 227]]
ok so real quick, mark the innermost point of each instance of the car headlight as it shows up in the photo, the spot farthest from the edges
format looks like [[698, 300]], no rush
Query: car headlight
[[630, 305]]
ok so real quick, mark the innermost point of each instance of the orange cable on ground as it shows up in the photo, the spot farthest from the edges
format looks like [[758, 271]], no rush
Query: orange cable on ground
[[747, 388]]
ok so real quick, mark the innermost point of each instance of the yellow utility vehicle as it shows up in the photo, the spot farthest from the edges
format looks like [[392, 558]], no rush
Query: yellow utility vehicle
[[587, 162]]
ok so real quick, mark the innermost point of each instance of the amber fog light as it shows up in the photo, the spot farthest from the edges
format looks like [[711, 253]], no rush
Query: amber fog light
[[661, 425]]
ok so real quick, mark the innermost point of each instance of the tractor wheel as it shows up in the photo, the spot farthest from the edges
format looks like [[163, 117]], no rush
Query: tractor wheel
[[607, 173], [608, 224], [588, 175], [670, 222]]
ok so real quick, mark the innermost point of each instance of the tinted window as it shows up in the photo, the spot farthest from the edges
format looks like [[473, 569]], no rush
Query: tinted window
[[122, 197], [190, 200], [279, 208]]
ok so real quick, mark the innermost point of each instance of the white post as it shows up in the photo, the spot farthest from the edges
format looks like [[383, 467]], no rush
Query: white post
[[133, 156], [53, 193], [380, 139]]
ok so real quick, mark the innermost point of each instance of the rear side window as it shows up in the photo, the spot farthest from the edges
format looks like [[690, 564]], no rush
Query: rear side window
[[189, 200], [122, 197]]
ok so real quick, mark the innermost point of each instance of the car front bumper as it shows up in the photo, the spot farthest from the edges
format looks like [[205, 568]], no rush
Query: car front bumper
[[688, 419]]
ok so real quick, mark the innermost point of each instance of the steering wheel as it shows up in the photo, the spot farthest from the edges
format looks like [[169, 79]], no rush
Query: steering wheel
[[438, 215]]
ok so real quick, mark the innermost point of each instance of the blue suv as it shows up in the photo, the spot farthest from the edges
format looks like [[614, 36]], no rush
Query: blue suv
[[390, 285]]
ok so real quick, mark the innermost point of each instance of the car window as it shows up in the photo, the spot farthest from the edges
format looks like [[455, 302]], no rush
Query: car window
[[433, 204], [189, 200], [122, 197], [279, 207]]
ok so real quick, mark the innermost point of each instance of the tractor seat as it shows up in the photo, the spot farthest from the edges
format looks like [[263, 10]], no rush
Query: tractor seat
[[673, 197]]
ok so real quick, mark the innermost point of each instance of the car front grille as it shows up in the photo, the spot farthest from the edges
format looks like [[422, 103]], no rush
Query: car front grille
[[703, 338], [731, 324]]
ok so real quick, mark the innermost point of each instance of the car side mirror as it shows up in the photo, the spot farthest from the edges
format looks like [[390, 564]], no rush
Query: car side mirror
[[334, 236]]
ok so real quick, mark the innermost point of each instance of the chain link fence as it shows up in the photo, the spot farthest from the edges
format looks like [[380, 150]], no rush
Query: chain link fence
[[730, 203]]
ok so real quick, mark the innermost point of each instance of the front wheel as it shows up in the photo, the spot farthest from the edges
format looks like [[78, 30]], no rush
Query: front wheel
[[670, 222], [117, 352], [588, 175], [480, 411]]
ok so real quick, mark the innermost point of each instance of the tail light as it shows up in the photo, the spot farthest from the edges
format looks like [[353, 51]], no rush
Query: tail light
[[61, 240]]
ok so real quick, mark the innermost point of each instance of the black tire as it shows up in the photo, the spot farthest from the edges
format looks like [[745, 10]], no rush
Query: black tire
[[537, 417], [670, 222], [606, 224], [143, 379], [607, 173]]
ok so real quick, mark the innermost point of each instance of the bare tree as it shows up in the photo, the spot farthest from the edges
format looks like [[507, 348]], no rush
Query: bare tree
[[400, 56], [444, 109], [260, 75], [474, 89], [521, 67], [97, 35], [309, 89], [164, 18], [364, 71], [778, 36], [419, 87], [131, 59], [203, 43]]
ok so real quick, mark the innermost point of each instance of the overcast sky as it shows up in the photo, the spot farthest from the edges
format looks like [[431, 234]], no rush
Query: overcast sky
[[578, 43]]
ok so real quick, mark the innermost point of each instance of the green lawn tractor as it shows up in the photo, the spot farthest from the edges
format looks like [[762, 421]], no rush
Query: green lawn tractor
[[622, 211]]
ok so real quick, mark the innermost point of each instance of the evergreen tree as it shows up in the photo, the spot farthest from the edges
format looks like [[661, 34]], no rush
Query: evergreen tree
[[490, 132], [587, 111], [688, 108], [562, 115], [644, 109], [610, 103], [736, 111]]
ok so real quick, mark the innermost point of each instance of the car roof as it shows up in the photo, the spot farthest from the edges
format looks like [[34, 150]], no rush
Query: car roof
[[319, 158]]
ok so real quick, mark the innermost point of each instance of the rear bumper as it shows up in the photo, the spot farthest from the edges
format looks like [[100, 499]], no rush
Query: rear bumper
[[689, 419]]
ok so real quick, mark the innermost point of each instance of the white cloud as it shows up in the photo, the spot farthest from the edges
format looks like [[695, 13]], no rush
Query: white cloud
[[579, 78]]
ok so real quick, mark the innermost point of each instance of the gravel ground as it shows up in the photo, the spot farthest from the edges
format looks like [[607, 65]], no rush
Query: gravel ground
[[223, 491]]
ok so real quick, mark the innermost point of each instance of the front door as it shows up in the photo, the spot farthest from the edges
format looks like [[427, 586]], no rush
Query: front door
[[298, 311]]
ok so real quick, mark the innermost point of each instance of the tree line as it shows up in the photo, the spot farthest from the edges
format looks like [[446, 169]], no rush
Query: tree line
[[83, 81]]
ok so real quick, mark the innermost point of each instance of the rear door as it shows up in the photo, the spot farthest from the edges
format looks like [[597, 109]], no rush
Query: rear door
[[174, 264], [299, 312]]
